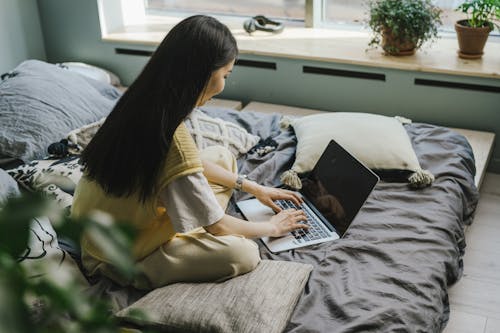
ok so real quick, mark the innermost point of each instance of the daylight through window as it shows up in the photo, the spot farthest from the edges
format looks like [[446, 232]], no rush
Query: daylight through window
[[293, 10]]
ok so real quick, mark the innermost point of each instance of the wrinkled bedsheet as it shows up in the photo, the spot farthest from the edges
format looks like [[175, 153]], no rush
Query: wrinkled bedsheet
[[391, 271]]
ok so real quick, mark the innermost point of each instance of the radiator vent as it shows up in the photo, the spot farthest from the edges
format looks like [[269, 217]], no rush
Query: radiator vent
[[134, 52], [456, 85], [343, 73], [256, 64]]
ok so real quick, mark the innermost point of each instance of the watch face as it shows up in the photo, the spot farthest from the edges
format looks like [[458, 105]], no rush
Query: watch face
[[239, 181]]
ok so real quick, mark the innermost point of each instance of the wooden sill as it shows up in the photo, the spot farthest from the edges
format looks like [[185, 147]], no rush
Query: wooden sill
[[338, 46]]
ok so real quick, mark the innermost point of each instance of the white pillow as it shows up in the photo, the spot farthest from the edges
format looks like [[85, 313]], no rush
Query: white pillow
[[208, 131], [380, 142], [93, 72]]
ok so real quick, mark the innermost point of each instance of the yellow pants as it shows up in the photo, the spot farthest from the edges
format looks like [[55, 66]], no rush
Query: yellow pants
[[199, 256]]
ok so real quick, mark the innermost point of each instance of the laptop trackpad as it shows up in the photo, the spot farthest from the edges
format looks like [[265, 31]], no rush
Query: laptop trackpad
[[255, 211]]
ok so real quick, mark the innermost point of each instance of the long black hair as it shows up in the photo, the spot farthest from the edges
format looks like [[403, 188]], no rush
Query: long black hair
[[128, 152]]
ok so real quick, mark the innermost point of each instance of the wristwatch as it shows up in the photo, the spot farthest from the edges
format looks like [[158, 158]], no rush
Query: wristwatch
[[239, 182]]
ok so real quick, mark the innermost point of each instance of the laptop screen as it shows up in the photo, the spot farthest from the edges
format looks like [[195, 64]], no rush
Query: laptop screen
[[338, 186]]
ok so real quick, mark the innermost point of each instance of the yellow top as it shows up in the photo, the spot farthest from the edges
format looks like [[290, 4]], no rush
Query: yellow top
[[150, 218]]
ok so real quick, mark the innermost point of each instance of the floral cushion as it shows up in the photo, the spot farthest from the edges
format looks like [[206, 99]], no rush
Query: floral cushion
[[56, 178]]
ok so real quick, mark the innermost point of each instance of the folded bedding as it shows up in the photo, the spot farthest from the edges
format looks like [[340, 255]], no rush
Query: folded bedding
[[392, 269]]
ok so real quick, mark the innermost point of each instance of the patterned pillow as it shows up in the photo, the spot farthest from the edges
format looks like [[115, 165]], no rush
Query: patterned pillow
[[56, 178], [208, 131], [205, 130], [44, 256], [8, 187]]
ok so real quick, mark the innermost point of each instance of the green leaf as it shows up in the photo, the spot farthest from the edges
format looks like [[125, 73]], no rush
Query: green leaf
[[66, 308], [15, 219], [409, 20], [13, 312]]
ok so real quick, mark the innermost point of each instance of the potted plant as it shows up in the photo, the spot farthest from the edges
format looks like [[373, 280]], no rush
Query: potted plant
[[473, 32], [402, 26]]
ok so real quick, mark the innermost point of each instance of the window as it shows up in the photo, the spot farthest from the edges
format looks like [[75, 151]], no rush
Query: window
[[292, 10], [352, 14], [355, 12]]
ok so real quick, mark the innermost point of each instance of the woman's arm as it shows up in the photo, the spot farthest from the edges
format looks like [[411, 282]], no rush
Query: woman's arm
[[279, 225], [218, 175]]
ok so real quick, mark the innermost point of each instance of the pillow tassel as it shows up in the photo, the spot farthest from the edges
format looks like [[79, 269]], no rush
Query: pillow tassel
[[291, 179], [285, 122], [403, 120], [421, 178]]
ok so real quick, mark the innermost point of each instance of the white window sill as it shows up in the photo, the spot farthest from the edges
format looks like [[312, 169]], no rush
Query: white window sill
[[338, 46]]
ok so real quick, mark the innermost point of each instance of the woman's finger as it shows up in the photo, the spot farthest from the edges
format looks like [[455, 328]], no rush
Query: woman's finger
[[299, 212], [274, 206], [301, 217], [300, 226], [299, 197], [294, 199], [295, 195]]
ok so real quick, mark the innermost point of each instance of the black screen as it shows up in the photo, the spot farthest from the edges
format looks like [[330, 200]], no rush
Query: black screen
[[338, 186]]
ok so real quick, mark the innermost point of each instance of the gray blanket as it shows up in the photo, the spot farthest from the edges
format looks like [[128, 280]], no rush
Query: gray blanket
[[391, 271]]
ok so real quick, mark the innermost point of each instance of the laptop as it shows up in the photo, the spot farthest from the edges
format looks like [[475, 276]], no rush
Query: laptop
[[333, 192]]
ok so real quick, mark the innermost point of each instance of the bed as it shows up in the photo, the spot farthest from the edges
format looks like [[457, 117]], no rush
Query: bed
[[391, 271]]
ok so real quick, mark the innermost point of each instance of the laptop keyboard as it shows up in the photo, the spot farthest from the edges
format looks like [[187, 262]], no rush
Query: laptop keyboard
[[316, 229]]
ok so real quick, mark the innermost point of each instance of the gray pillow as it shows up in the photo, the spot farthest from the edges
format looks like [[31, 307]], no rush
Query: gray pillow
[[40, 103], [259, 301], [8, 186]]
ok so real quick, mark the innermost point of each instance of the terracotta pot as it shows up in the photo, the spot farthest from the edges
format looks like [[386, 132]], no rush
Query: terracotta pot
[[471, 40], [391, 43]]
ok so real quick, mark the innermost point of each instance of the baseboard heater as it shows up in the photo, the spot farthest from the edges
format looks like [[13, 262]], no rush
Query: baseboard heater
[[143, 53], [343, 73], [456, 85], [256, 64]]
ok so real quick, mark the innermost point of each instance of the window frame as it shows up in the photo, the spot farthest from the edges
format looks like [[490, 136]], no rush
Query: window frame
[[118, 15], [225, 17]]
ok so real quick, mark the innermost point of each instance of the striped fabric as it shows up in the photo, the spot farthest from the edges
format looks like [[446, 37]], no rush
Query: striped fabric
[[259, 301]]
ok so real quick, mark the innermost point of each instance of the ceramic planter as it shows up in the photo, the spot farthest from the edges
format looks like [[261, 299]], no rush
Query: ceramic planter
[[392, 43], [471, 41]]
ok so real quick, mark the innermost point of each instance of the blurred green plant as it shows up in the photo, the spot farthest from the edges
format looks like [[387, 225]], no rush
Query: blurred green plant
[[414, 21], [481, 13], [66, 308]]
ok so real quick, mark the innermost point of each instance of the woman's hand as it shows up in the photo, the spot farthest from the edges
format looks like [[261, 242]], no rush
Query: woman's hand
[[287, 220], [267, 195]]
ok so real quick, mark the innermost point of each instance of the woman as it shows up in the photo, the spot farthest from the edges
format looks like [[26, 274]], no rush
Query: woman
[[143, 166]]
